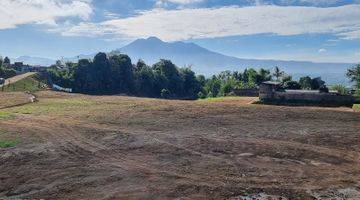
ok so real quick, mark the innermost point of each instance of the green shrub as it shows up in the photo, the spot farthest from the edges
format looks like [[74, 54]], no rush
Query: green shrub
[[201, 95], [165, 93], [339, 88], [8, 143]]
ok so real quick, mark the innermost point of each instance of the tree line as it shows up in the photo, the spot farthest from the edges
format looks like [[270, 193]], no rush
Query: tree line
[[6, 72], [114, 73]]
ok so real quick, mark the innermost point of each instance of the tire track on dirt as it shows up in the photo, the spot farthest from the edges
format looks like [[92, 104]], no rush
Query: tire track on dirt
[[67, 139]]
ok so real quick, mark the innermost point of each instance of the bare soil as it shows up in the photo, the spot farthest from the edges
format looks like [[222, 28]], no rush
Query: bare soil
[[10, 99], [115, 147]]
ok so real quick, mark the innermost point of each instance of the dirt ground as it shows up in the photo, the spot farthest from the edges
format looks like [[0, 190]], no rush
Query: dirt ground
[[10, 99], [115, 147]]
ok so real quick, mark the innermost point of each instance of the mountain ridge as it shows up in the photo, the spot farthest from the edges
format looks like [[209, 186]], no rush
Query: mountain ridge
[[208, 62]]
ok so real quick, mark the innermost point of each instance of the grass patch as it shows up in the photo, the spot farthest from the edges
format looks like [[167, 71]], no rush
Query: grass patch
[[221, 99], [216, 99], [54, 106], [356, 107], [5, 115], [8, 143], [32, 84]]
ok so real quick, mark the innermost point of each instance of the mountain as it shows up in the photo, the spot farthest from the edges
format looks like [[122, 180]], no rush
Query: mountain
[[204, 61], [34, 60]]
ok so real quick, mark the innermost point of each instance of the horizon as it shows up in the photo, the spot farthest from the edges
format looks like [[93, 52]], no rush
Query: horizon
[[173, 42], [251, 29]]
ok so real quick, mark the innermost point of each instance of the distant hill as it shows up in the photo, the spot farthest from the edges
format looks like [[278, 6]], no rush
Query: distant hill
[[34, 60], [207, 62]]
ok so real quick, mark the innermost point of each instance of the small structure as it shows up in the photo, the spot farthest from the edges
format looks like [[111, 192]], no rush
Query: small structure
[[271, 92]]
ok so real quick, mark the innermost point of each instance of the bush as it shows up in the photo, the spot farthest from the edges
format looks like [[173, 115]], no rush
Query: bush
[[292, 85], [339, 88], [7, 73], [165, 93], [231, 94], [201, 95], [324, 89]]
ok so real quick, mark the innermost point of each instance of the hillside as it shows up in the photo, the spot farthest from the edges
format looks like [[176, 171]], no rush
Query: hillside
[[30, 82]]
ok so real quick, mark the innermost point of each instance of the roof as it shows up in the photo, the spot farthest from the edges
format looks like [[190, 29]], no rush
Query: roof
[[303, 91], [271, 83]]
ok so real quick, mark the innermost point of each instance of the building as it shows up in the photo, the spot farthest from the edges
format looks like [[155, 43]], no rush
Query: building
[[271, 92]]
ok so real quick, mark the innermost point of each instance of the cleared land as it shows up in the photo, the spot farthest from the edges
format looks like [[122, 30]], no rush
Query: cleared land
[[10, 99], [68, 146]]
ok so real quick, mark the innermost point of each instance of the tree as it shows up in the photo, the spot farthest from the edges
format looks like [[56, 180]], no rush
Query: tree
[[305, 82], [169, 76], [262, 75], [145, 81], [165, 93], [191, 86], [212, 86], [6, 61], [121, 74], [354, 75], [317, 83], [292, 85], [201, 79], [278, 73]]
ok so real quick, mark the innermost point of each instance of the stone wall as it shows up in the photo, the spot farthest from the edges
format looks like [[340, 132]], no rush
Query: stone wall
[[298, 97], [326, 99], [246, 92]]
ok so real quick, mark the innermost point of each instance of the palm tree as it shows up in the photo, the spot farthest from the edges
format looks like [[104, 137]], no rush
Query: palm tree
[[278, 73]]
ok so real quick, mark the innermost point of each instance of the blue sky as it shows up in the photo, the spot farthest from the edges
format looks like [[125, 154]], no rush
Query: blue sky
[[314, 30]]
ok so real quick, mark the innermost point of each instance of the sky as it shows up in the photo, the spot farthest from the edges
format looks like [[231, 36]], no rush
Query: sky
[[308, 30]]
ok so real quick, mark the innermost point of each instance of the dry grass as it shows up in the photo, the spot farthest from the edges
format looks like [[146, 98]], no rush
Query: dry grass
[[356, 107], [114, 147], [8, 99]]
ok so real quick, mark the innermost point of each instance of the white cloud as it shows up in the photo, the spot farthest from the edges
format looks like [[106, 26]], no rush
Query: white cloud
[[322, 50], [18, 12], [312, 2], [172, 25], [182, 1]]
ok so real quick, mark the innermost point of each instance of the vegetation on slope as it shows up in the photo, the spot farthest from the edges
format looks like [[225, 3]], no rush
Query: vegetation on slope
[[31, 84]]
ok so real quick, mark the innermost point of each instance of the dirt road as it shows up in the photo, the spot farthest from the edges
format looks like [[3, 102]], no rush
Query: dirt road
[[17, 78], [91, 147]]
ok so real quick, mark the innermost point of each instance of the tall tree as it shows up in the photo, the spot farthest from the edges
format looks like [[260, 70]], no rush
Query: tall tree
[[170, 74], [121, 76], [278, 73], [305, 83], [6, 61], [354, 76]]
